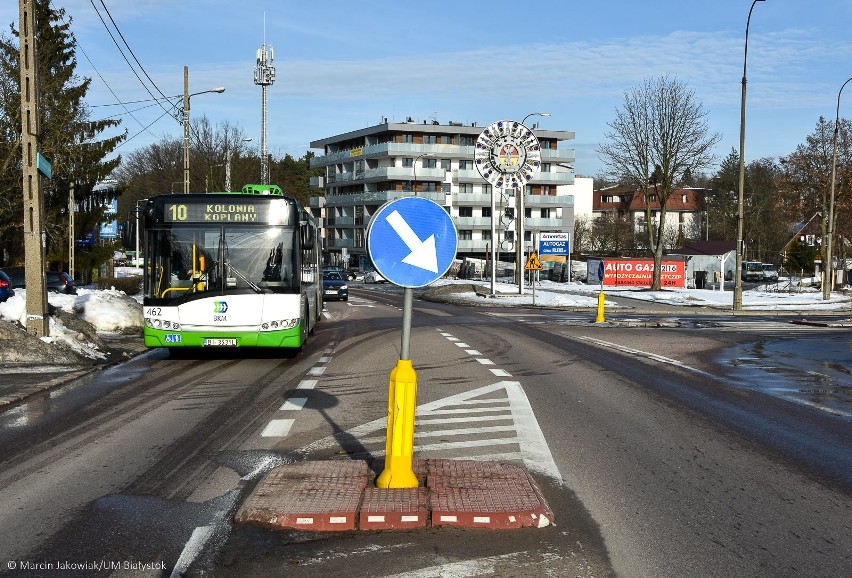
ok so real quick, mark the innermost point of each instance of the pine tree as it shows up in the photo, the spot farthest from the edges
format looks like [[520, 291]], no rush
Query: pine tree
[[68, 137]]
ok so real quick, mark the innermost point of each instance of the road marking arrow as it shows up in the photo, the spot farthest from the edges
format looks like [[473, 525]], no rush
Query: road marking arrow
[[423, 253]]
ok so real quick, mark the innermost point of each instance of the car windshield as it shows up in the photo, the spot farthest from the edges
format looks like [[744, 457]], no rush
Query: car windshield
[[331, 276]]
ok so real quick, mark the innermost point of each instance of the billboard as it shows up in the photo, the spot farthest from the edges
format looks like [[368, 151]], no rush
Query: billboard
[[636, 272], [109, 228]]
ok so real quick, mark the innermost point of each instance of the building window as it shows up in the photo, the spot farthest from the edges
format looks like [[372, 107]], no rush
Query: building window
[[407, 162], [430, 187], [408, 138], [486, 235], [465, 188], [429, 139], [430, 163], [486, 212], [465, 211], [545, 213], [446, 139], [509, 212], [545, 167], [545, 189], [527, 213], [446, 164], [465, 235], [486, 189], [466, 141], [465, 165]]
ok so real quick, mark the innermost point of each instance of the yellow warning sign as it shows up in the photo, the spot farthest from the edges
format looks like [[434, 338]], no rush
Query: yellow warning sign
[[533, 264]]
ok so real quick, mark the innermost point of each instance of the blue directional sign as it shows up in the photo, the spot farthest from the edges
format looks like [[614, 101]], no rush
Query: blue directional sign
[[412, 241], [554, 244]]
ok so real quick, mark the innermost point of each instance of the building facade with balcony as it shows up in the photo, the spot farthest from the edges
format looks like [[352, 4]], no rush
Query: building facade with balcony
[[366, 168]]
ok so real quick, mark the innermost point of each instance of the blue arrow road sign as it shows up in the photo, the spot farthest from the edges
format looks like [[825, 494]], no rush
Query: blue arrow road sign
[[412, 241]]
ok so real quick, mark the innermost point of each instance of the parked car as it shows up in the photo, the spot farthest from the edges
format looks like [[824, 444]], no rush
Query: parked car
[[770, 273], [54, 281], [6, 290], [334, 286], [374, 277]]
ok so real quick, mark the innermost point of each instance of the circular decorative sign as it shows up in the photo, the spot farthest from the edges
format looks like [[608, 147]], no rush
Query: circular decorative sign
[[507, 154]]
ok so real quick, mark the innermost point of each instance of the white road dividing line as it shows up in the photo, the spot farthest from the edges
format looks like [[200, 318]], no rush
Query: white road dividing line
[[294, 404], [316, 370], [500, 372], [277, 428], [193, 548], [472, 352], [485, 361], [307, 384], [647, 354]]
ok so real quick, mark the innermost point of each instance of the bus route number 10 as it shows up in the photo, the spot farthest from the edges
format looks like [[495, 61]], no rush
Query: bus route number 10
[[177, 212]]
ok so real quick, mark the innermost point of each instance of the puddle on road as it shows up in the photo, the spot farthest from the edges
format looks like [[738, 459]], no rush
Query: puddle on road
[[815, 371]]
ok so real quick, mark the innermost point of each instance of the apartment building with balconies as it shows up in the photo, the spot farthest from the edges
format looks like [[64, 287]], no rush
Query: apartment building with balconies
[[367, 167]]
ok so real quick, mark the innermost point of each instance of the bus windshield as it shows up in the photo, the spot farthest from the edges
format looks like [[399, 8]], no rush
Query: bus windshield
[[195, 261]]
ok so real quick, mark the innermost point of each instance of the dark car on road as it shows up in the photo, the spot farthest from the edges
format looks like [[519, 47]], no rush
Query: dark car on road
[[6, 290], [334, 285], [54, 281]]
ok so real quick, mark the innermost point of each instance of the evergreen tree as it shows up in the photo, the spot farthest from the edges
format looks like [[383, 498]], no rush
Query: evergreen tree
[[67, 139]]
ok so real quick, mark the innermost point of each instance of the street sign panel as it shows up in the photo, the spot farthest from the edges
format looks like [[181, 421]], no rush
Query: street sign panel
[[412, 241], [554, 244]]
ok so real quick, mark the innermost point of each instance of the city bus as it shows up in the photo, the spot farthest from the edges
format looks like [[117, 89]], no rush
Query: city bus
[[230, 270]]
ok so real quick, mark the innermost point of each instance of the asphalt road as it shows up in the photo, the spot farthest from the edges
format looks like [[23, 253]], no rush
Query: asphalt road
[[654, 461]]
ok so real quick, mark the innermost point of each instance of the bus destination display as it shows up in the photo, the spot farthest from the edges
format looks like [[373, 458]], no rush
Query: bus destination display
[[226, 212]]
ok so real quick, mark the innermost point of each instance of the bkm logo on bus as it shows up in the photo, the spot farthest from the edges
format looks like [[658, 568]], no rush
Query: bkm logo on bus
[[220, 307]]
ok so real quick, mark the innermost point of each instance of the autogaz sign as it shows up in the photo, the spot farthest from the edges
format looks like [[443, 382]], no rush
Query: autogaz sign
[[554, 244]]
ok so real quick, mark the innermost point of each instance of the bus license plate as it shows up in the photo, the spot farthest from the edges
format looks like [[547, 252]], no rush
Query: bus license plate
[[220, 342]]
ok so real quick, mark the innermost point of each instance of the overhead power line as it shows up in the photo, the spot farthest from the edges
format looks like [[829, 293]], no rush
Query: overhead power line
[[158, 100]]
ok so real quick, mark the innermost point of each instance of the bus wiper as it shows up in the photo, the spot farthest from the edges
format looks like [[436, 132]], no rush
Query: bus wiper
[[249, 282]]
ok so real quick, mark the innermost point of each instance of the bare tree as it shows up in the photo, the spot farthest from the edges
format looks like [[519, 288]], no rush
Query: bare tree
[[661, 126]]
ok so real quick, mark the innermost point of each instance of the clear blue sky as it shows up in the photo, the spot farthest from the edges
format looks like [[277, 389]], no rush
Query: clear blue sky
[[341, 66]]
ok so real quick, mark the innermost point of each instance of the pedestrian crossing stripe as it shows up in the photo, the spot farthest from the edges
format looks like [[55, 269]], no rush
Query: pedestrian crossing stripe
[[510, 422], [533, 264]]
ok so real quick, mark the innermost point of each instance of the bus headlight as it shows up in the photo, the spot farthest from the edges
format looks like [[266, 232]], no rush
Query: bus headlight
[[279, 324]]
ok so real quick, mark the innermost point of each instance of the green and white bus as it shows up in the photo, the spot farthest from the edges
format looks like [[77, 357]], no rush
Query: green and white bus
[[230, 270]]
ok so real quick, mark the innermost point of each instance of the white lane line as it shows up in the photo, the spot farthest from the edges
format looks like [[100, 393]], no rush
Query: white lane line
[[277, 428], [463, 345], [485, 361], [500, 372], [453, 338], [477, 419], [467, 410], [294, 404], [641, 353], [307, 384], [316, 371], [472, 352], [324, 359], [193, 548]]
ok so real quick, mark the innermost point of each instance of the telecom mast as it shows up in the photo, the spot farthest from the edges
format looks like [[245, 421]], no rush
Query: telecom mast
[[264, 75]]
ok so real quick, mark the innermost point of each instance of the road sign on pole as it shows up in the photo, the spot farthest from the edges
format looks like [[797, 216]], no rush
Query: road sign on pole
[[412, 242]]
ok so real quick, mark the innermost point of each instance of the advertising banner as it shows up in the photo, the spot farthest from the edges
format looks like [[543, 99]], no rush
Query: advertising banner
[[554, 244], [636, 272]]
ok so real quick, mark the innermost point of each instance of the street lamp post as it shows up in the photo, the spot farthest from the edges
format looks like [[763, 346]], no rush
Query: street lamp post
[[186, 97], [414, 166], [828, 268], [519, 223], [738, 278]]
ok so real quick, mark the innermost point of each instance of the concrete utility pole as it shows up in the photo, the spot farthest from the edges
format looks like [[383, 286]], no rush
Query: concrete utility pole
[[38, 321]]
